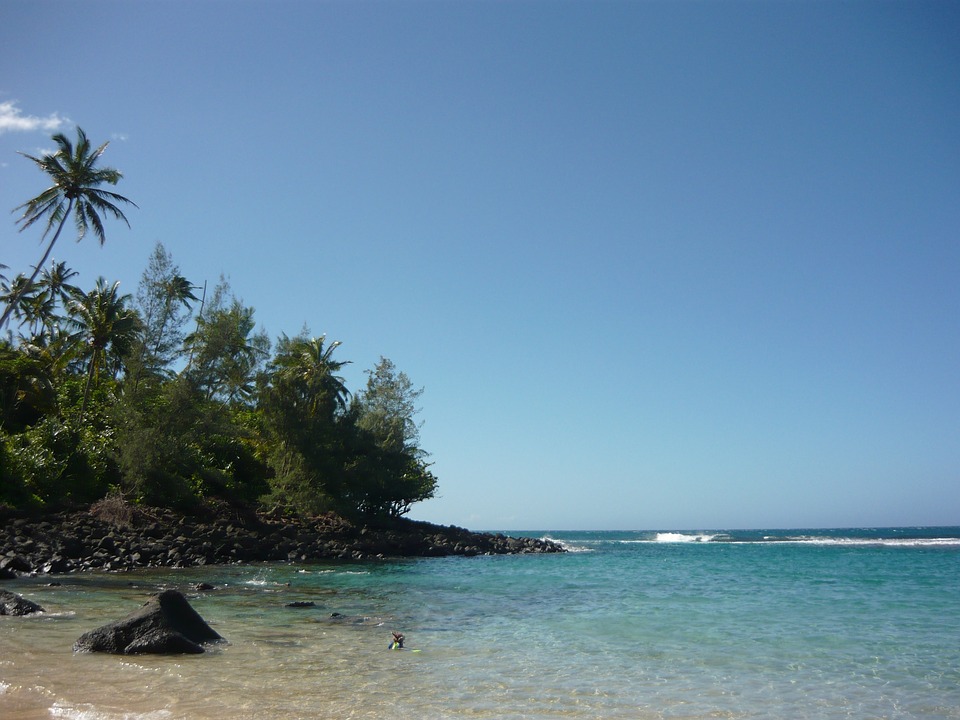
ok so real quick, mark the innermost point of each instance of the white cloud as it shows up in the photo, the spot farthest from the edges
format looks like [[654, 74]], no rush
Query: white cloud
[[13, 120]]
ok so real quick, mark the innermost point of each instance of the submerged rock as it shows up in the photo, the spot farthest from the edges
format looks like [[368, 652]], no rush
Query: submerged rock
[[13, 604], [166, 624]]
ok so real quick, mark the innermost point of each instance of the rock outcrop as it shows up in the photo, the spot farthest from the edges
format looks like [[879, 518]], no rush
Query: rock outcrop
[[166, 624], [70, 542]]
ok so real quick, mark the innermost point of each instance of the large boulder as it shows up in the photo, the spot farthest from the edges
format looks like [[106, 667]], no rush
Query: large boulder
[[13, 604], [166, 624]]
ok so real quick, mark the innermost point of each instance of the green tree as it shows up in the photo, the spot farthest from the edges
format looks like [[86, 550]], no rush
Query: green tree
[[106, 327], [55, 282], [306, 366], [225, 351], [164, 299], [19, 294], [388, 406], [388, 469], [27, 392], [55, 285], [304, 401], [75, 190], [37, 306], [60, 461]]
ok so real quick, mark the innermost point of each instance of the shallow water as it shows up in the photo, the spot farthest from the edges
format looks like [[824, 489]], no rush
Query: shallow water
[[811, 624]]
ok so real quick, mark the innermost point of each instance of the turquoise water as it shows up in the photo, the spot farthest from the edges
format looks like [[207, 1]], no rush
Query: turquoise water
[[757, 624]]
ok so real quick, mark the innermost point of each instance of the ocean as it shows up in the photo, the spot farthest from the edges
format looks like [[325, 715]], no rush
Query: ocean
[[796, 624]]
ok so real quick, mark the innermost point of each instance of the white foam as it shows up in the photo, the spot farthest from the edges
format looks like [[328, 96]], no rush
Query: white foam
[[570, 547], [89, 712], [857, 542], [674, 537]]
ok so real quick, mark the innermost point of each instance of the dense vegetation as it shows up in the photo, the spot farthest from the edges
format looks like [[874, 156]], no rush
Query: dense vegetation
[[172, 397]]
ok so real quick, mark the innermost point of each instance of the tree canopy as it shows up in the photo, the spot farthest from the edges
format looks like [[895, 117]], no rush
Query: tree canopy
[[176, 397]]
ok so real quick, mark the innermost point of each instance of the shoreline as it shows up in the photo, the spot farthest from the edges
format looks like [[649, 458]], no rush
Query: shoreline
[[126, 538]]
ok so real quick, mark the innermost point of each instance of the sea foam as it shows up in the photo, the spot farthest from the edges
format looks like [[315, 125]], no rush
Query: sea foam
[[675, 537]]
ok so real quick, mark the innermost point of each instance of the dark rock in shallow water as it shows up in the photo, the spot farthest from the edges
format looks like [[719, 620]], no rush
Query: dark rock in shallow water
[[166, 624], [301, 604], [13, 604]]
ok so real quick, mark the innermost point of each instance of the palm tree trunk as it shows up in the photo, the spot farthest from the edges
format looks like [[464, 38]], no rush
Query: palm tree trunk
[[15, 300]]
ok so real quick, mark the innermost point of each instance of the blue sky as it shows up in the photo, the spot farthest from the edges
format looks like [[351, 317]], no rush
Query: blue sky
[[658, 265]]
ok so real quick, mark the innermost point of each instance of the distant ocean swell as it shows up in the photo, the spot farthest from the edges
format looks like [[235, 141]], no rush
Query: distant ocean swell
[[889, 537]]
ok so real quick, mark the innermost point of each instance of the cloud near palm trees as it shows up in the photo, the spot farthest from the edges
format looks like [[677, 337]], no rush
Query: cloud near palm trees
[[12, 119]]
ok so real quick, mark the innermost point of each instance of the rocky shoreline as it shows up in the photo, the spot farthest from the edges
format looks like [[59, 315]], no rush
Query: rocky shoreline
[[120, 537]]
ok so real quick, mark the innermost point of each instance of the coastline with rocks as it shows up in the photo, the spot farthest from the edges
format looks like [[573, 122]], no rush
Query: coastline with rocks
[[128, 538]]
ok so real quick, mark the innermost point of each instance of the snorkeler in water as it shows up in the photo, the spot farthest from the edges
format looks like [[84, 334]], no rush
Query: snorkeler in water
[[397, 643]]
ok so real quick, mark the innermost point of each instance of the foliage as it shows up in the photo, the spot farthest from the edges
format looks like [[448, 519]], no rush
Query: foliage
[[225, 352], [391, 468], [27, 392], [388, 407], [110, 400], [59, 462], [303, 402], [106, 328], [164, 300]]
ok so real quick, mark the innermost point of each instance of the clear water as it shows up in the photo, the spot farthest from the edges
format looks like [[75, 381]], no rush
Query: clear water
[[759, 624]]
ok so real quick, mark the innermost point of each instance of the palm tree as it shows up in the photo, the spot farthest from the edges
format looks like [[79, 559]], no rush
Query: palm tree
[[317, 368], [39, 306], [107, 327], [13, 292], [38, 311], [75, 189], [54, 282], [308, 365]]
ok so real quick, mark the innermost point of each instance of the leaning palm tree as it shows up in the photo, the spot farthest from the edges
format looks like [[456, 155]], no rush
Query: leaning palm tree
[[106, 326], [75, 189]]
